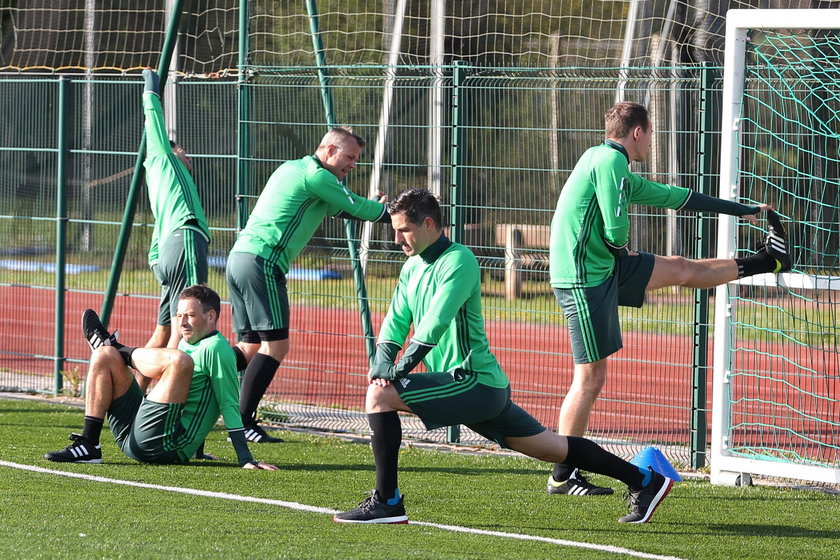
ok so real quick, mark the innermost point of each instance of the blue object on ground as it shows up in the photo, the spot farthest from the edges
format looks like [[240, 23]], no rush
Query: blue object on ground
[[217, 262], [220, 261], [30, 266], [26, 251], [313, 274], [653, 457]]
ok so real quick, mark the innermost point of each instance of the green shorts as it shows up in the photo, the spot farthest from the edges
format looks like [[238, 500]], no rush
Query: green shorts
[[444, 399], [182, 263], [258, 297], [147, 431], [592, 312]]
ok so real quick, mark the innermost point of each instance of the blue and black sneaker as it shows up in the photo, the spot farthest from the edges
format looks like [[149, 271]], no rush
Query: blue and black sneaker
[[644, 502], [374, 510]]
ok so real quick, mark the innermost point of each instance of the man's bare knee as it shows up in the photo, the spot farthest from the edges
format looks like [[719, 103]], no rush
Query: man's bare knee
[[105, 355], [671, 271], [169, 362], [592, 376], [277, 349], [182, 363], [380, 399], [679, 270]]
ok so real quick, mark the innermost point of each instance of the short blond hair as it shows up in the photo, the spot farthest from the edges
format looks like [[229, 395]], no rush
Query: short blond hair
[[339, 134]]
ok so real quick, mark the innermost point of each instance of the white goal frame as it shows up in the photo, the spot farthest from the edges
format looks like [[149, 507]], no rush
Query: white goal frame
[[726, 468]]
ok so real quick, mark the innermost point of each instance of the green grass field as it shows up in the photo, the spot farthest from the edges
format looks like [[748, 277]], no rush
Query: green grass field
[[46, 515]]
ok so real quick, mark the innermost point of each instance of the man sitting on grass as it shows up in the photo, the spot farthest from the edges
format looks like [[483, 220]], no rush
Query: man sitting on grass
[[195, 383]]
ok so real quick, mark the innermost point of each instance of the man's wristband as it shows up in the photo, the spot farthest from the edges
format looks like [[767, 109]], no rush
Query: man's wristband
[[618, 252], [700, 202], [411, 358], [240, 445], [386, 352]]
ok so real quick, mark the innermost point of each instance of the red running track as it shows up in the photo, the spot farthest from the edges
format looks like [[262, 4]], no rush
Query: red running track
[[647, 396]]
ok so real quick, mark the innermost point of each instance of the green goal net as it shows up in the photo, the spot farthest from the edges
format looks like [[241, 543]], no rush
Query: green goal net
[[777, 384]]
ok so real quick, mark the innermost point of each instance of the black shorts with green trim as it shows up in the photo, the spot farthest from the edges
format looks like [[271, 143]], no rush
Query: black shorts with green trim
[[147, 431], [449, 399], [257, 290], [182, 262], [592, 312]]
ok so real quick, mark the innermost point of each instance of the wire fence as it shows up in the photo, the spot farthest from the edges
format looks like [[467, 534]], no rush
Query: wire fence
[[518, 134]]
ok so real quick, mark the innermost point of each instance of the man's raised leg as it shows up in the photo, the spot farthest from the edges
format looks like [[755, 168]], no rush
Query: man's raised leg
[[773, 257], [172, 368]]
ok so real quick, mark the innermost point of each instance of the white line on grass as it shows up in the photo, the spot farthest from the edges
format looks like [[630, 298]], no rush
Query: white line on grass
[[303, 507], [561, 542]]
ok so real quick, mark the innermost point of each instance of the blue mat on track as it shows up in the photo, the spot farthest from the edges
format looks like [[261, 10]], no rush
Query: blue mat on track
[[31, 266]]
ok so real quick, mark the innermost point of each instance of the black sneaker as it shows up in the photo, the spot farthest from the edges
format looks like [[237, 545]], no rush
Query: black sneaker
[[643, 502], [82, 450], [255, 434], [576, 485], [775, 243], [95, 334], [372, 510]]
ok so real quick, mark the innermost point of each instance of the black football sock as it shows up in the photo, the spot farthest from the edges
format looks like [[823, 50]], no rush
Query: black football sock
[[92, 428], [757, 263], [589, 456], [561, 472], [241, 360], [257, 378], [385, 439], [125, 352]]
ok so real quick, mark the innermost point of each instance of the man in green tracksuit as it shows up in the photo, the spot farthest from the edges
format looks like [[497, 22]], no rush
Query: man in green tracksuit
[[195, 383], [439, 293], [178, 251], [298, 196], [592, 272]]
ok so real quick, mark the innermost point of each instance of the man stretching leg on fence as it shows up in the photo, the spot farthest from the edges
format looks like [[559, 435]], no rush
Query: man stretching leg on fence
[[195, 384], [298, 196], [178, 250], [439, 293], [592, 272]]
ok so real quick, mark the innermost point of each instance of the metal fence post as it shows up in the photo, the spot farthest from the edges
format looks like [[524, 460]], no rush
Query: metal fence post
[[701, 297], [243, 147], [60, 231], [458, 153], [453, 433], [349, 225], [137, 178]]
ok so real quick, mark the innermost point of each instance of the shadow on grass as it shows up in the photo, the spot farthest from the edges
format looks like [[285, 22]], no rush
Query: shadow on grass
[[766, 530], [368, 467]]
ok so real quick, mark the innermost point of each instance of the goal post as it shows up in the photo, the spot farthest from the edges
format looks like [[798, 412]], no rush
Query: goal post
[[776, 378]]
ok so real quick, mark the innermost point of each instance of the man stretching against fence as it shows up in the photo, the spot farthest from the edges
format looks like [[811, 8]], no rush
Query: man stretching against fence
[[195, 383], [298, 196], [178, 250], [592, 272], [439, 293]]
